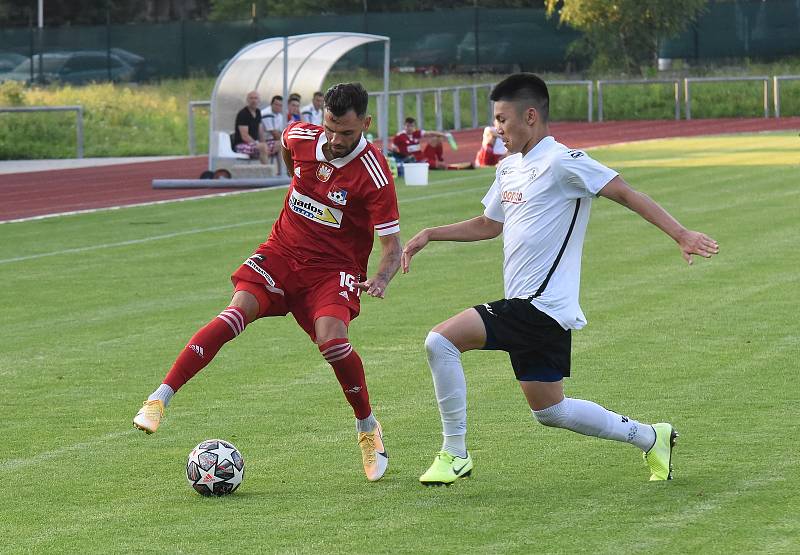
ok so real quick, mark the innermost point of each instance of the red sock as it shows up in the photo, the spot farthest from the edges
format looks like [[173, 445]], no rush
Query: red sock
[[204, 345], [350, 372]]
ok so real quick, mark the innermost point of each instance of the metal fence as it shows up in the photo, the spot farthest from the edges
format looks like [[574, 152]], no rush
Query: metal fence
[[687, 93], [603, 83], [776, 90], [78, 119], [469, 106]]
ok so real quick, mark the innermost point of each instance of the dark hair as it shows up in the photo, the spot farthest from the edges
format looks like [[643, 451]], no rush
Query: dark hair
[[524, 87], [318, 93], [276, 97], [410, 120], [294, 96], [344, 97]]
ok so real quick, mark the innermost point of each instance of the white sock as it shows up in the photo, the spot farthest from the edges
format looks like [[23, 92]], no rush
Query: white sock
[[164, 392], [366, 424], [591, 419], [451, 392]]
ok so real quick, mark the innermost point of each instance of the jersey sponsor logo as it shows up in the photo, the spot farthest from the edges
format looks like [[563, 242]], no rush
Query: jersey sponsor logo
[[575, 153], [506, 171], [339, 196], [512, 197], [324, 172], [315, 211]]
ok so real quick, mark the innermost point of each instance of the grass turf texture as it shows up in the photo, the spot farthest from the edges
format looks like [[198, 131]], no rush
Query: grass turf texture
[[96, 307]]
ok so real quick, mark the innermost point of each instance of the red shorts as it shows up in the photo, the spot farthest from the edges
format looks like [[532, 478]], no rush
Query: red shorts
[[282, 285]]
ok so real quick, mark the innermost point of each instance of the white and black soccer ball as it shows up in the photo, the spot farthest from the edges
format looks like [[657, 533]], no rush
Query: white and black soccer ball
[[215, 467]]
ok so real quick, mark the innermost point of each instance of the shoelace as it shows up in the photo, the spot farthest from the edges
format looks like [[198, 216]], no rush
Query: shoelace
[[369, 453]]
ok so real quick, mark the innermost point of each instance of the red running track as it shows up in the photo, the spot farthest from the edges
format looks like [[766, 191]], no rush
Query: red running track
[[34, 194]]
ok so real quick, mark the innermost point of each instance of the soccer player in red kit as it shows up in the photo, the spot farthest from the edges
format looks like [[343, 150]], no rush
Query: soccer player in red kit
[[406, 145], [314, 261]]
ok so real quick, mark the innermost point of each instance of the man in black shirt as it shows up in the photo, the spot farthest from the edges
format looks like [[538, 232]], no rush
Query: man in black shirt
[[250, 136]]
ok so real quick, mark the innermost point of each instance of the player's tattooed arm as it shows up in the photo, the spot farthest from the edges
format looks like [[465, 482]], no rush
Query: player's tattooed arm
[[387, 268]]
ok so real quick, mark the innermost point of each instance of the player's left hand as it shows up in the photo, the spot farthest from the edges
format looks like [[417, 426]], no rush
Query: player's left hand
[[694, 242], [375, 287]]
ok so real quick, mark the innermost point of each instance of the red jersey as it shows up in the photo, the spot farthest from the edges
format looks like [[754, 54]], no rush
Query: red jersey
[[333, 208], [408, 145]]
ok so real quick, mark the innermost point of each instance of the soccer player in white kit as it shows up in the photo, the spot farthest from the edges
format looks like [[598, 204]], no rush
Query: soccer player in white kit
[[540, 202]]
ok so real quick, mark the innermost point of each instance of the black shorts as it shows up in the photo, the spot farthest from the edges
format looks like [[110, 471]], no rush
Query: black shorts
[[538, 346]]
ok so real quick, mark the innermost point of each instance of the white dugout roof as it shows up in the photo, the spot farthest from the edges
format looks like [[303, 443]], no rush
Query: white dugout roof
[[285, 65]]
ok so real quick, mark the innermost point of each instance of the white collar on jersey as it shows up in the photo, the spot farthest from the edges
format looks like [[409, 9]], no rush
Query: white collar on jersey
[[339, 162], [545, 143]]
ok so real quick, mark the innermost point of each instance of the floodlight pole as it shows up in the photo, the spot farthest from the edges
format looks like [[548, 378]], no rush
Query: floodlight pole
[[281, 169], [384, 131], [41, 14]]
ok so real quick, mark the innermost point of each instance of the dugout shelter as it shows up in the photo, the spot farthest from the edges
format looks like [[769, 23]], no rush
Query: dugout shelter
[[280, 66]]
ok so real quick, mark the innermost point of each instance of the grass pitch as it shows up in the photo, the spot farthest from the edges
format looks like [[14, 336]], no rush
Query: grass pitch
[[96, 306]]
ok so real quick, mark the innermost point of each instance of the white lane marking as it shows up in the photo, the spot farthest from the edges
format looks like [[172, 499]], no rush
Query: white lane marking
[[15, 464], [121, 206], [207, 229]]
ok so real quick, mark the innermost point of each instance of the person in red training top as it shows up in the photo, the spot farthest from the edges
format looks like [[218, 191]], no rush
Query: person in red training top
[[314, 262], [406, 146], [492, 149]]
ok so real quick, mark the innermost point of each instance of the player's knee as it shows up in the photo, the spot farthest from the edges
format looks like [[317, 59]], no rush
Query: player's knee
[[438, 346], [555, 416]]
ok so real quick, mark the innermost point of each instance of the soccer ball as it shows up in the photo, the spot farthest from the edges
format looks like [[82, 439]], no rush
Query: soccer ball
[[215, 467]]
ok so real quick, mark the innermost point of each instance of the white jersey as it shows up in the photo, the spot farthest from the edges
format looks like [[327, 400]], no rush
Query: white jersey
[[272, 121], [310, 115], [543, 200]]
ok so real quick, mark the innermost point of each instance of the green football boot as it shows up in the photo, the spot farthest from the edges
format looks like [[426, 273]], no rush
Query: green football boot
[[659, 457], [446, 469]]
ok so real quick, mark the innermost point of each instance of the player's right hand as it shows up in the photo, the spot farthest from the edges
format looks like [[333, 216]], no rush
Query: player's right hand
[[413, 246]]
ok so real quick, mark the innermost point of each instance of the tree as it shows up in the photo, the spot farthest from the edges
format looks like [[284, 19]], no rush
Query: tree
[[625, 33]]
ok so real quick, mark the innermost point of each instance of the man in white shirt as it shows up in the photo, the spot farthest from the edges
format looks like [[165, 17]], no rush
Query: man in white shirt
[[540, 202], [274, 122], [313, 112]]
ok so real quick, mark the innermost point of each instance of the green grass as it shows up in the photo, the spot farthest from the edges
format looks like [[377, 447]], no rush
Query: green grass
[[139, 120], [96, 306]]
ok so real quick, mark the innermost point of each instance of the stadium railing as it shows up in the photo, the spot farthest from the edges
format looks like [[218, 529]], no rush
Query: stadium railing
[[604, 82], [776, 91], [687, 94], [78, 118]]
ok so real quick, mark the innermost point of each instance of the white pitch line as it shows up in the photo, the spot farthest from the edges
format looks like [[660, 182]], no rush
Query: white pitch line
[[207, 229], [15, 464], [121, 206]]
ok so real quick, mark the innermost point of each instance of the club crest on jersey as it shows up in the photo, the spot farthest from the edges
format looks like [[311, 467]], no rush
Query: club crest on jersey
[[339, 196], [324, 172]]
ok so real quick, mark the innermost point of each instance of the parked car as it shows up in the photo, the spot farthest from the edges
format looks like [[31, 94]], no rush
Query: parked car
[[10, 60], [72, 67]]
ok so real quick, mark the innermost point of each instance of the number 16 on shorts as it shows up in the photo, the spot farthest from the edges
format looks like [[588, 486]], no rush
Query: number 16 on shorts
[[348, 281]]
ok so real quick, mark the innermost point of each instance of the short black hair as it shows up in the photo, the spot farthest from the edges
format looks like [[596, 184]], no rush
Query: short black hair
[[318, 93], [294, 96], [344, 97], [410, 120], [276, 97], [524, 87]]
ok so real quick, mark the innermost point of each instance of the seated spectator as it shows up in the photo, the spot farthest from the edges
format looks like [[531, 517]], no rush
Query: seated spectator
[[293, 108], [273, 120], [406, 145], [312, 113], [492, 149], [249, 136]]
